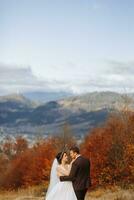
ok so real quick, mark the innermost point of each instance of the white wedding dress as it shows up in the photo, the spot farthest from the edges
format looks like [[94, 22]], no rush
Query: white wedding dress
[[60, 190]]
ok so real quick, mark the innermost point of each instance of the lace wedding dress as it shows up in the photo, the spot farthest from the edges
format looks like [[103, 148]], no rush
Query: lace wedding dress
[[60, 190]]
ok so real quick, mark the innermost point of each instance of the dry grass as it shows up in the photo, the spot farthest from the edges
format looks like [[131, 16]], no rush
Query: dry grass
[[31, 193], [37, 193], [115, 193]]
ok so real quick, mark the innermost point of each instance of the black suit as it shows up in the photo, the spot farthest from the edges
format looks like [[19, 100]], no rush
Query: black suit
[[80, 176]]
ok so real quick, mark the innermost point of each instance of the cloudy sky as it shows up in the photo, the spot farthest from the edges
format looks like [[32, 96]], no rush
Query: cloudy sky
[[66, 45]]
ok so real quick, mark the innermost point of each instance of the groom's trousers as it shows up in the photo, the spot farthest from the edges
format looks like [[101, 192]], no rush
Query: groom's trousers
[[80, 194]]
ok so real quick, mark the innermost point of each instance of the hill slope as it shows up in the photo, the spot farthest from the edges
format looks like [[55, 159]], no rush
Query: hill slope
[[19, 115]]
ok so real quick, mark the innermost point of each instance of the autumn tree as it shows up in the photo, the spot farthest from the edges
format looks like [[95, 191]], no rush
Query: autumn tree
[[20, 145], [110, 149]]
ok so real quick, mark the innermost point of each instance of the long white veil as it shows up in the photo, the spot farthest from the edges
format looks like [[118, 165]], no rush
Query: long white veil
[[54, 179]]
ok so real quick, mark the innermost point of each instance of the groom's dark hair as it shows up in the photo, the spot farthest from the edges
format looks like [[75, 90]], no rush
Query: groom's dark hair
[[75, 149]]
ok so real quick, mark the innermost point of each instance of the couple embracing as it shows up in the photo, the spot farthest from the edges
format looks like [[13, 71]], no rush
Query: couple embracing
[[69, 181]]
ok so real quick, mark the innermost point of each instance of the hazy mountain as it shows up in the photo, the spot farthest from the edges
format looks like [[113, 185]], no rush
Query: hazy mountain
[[46, 96], [13, 108], [18, 100], [98, 100], [19, 115]]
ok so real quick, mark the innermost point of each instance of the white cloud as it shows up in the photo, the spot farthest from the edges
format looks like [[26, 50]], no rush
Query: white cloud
[[121, 68], [110, 75], [15, 78]]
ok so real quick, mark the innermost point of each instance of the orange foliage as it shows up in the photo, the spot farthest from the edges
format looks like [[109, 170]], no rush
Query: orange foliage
[[20, 145], [29, 166], [111, 151]]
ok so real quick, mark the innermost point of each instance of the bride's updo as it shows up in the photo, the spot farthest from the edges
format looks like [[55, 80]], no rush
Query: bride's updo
[[59, 156]]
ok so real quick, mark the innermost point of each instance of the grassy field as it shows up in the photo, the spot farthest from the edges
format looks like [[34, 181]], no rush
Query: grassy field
[[37, 193]]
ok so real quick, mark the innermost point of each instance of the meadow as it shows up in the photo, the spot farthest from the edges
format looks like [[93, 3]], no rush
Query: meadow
[[37, 193]]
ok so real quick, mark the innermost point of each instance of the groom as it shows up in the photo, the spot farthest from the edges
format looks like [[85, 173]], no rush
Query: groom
[[79, 174]]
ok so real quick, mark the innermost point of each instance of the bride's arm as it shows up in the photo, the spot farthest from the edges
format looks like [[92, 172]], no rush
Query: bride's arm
[[72, 174], [59, 172]]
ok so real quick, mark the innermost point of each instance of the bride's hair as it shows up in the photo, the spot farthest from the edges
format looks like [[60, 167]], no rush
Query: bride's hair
[[59, 156]]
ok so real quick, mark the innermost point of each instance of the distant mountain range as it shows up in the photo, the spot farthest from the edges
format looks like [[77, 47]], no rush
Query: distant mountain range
[[20, 115], [46, 96], [98, 100]]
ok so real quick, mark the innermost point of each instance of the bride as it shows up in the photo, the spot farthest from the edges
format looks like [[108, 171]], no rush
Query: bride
[[60, 190]]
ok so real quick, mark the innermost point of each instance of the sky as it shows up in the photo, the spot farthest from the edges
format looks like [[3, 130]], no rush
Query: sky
[[75, 46]]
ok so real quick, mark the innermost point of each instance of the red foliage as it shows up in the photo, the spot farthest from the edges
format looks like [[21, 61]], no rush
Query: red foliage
[[20, 145], [29, 166], [110, 149]]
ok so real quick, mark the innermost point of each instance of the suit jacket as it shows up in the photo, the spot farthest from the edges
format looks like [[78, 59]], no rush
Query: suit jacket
[[79, 174]]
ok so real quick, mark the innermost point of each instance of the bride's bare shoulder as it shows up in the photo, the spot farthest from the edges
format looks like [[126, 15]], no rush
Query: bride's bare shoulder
[[59, 167]]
